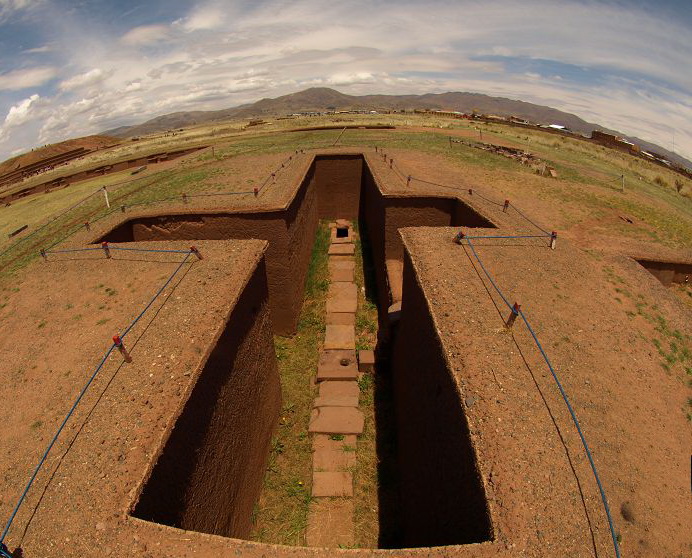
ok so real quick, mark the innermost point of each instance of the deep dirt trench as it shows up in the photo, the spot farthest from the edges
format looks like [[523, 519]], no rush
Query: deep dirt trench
[[208, 476]]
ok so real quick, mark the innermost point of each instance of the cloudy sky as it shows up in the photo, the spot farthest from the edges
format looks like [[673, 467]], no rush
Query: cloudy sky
[[76, 67]]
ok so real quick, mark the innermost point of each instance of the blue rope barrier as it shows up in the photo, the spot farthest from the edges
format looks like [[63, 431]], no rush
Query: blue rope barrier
[[3, 552], [566, 400], [470, 244], [529, 220], [517, 236], [581, 434], [52, 443], [156, 295], [147, 250], [72, 250]]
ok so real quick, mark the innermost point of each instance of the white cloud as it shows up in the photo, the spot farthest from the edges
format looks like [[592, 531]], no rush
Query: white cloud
[[17, 80], [8, 8], [21, 112], [202, 18], [221, 54], [145, 35], [92, 77]]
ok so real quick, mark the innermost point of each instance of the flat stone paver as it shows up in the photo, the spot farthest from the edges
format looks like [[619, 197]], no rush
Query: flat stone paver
[[340, 318], [330, 524], [336, 420], [340, 337], [341, 264], [330, 484], [341, 249], [342, 275], [342, 297], [337, 365], [339, 389], [333, 455]]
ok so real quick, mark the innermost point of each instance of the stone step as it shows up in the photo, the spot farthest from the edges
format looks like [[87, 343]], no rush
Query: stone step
[[341, 318], [340, 337], [341, 249], [342, 275], [339, 389], [330, 523], [337, 365], [342, 297], [336, 420], [333, 455], [332, 484], [341, 264]]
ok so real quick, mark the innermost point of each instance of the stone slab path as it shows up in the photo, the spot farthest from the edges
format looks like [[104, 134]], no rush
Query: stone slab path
[[336, 420]]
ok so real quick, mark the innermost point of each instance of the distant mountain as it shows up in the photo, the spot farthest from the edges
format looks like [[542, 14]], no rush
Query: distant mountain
[[322, 99]]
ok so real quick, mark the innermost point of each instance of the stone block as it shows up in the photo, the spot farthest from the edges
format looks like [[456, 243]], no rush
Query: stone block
[[342, 297], [366, 361], [342, 275], [331, 484], [337, 365], [330, 524], [336, 420], [339, 389], [340, 337], [333, 455], [341, 318], [341, 249], [341, 264]]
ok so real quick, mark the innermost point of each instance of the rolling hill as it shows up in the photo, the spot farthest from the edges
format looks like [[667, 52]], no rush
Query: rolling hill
[[324, 99]]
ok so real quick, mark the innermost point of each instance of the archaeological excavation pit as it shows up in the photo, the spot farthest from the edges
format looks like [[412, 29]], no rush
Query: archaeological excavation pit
[[209, 472], [667, 272]]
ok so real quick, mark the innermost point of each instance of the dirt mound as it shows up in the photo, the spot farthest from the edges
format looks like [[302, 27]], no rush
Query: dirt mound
[[88, 142]]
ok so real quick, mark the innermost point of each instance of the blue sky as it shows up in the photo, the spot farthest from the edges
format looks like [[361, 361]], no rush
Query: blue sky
[[71, 68]]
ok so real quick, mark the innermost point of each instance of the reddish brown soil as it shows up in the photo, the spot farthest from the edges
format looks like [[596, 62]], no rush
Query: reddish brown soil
[[88, 142], [540, 490]]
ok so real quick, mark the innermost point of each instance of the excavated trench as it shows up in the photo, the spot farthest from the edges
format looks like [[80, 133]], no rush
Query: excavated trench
[[668, 273], [209, 473]]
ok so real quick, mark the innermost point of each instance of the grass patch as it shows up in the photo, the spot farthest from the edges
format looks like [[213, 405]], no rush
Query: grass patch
[[280, 516]]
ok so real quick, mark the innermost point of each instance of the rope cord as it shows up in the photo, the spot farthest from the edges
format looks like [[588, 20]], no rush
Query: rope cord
[[52, 443], [155, 296], [518, 236], [529, 220], [38, 467], [148, 250], [581, 434], [566, 400], [73, 250]]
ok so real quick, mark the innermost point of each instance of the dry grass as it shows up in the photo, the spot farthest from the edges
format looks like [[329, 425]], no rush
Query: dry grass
[[280, 516]]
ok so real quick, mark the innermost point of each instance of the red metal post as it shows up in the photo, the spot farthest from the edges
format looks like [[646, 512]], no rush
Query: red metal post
[[195, 251], [87, 226], [255, 191], [506, 206], [104, 245], [43, 255], [513, 315], [553, 239], [123, 351], [459, 237]]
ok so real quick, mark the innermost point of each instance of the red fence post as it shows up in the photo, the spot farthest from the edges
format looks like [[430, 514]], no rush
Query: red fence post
[[43, 255], [87, 226], [506, 206], [104, 245], [513, 315], [470, 192], [255, 191], [123, 351], [553, 240], [459, 237], [196, 252]]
